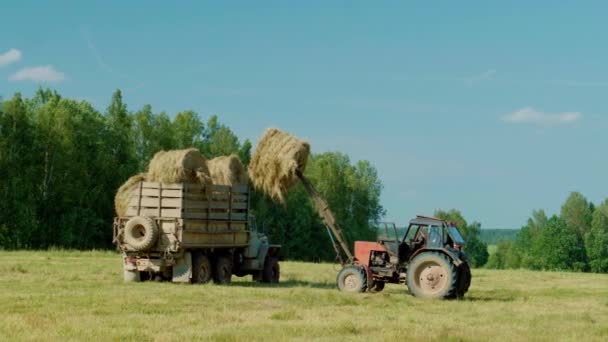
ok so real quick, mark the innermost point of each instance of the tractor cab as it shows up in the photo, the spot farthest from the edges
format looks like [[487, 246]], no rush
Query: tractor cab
[[431, 233], [423, 233]]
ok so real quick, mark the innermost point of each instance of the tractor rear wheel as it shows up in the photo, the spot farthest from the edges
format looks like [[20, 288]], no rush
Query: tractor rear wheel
[[432, 275], [352, 279], [464, 279]]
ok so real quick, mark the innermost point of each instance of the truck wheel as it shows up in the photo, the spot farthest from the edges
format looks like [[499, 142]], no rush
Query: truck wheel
[[272, 271], [201, 269], [131, 276], [432, 275], [352, 279], [141, 233], [222, 270]]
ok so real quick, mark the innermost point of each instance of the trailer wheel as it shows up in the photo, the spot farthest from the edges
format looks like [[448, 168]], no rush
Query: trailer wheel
[[222, 270], [272, 271], [141, 233], [352, 279], [432, 275], [201, 268]]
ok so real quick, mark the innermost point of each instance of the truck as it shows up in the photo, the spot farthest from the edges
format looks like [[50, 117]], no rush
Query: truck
[[193, 233]]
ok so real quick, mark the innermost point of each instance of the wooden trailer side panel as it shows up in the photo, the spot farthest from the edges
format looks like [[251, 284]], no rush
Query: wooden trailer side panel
[[191, 216]]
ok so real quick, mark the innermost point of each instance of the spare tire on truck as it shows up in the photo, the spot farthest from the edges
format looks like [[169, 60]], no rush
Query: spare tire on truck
[[141, 233]]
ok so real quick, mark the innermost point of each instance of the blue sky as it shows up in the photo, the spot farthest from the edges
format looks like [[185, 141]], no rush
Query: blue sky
[[492, 108]]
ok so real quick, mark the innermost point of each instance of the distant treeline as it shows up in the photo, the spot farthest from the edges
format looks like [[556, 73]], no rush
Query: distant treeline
[[494, 236], [576, 240], [61, 162]]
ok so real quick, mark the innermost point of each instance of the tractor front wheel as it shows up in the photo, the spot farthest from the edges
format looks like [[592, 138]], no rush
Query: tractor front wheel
[[432, 275], [352, 279], [378, 286]]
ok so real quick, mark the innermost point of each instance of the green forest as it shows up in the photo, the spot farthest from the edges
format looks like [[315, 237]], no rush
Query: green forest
[[575, 240], [61, 161]]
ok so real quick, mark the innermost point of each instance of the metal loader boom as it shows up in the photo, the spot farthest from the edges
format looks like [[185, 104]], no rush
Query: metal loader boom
[[328, 218]]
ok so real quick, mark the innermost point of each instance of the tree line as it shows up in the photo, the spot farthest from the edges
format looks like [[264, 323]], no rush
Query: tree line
[[61, 161], [575, 240], [493, 236]]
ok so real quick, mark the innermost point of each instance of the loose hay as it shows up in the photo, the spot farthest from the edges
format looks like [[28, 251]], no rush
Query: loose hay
[[227, 170], [178, 166], [124, 193], [275, 161]]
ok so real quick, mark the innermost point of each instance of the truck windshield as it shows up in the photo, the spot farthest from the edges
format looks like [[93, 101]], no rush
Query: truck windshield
[[455, 235]]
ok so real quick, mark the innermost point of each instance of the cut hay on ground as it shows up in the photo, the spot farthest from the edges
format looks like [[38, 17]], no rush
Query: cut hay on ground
[[275, 161], [124, 193], [227, 170], [178, 166]]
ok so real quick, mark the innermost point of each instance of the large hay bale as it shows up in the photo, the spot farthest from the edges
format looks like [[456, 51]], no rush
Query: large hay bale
[[275, 161], [227, 170], [178, 166], [125, 192]]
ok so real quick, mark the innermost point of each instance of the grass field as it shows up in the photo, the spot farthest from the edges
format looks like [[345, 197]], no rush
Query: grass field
[[80, 296]]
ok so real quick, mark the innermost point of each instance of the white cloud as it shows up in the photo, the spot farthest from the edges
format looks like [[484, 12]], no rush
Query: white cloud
[[530, 115], [11, 56], [38, 74], [485, 76]]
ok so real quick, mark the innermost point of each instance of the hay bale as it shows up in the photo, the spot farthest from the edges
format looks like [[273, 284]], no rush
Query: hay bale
[[178, 166], [227, 170], [275, 161], [125, 192]]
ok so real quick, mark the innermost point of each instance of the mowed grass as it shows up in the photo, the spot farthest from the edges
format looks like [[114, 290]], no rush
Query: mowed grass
[[80, 296]]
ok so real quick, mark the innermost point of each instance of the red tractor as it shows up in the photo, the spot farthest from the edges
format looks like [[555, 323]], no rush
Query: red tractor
[[428, 257]]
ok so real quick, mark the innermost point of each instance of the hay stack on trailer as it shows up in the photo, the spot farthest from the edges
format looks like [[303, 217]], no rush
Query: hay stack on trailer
[[227, 170], [124, 193], [168, 167], [178, 166], [275, 161]]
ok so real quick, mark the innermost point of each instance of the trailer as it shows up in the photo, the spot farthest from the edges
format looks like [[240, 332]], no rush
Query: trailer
[[189, 232]]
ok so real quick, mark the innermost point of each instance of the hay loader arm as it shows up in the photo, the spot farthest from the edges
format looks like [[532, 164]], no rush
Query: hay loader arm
[[328, 218]]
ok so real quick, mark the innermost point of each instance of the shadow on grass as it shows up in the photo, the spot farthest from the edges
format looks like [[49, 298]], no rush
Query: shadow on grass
[[488, 299], [502, 295], [285, 284]]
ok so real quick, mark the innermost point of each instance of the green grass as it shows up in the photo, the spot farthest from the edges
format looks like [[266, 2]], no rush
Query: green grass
[[80, 296]]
